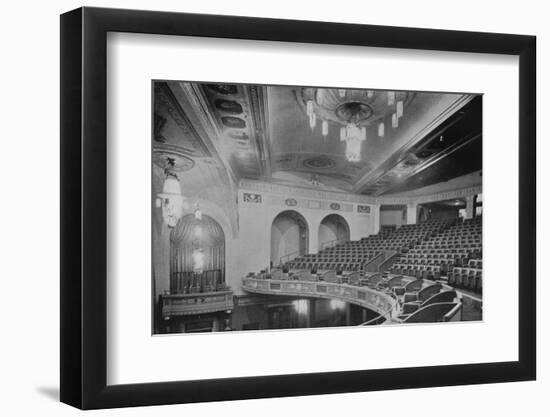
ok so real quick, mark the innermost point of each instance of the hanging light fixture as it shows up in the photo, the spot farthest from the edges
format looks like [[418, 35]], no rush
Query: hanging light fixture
[[312, 121], [394, 121], [324, 128], [381, 130], [311, 114], [399, 109], [391, 98], [171, 200], [353, 136], [309, 107], [353, 110]]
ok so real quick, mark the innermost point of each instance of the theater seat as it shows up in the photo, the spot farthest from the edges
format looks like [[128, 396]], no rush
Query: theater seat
[[396, 281], [353, 278], [330, 276], [433, 313]]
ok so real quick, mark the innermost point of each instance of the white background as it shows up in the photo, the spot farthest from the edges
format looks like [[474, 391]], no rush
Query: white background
[[135, 357], [29, 229]]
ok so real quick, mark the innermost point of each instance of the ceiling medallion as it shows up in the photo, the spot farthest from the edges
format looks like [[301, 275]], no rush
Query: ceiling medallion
[[291, 202], [353, 111], [319, 162], [161, 153]]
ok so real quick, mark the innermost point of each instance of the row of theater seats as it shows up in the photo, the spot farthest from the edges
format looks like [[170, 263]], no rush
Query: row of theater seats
[[469, 277], [419, 300], [374, 280], [352, 255], [455, 252], [417, 271], [354, 278]]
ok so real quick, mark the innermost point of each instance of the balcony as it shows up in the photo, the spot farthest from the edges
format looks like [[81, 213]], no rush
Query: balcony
[[197, 303], [365, 297]]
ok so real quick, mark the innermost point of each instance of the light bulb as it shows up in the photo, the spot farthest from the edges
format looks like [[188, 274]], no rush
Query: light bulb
[[324, 128], [312, 121], [391, 98], [309, 107], [399, 109], [394, 121], [381, 130]]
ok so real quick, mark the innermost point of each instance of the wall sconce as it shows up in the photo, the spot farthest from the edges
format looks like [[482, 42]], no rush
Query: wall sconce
[[171, 200]]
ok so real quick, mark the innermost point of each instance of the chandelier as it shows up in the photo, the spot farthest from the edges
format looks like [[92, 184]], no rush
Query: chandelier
[[171, 200], [354, 111], [353, 135]]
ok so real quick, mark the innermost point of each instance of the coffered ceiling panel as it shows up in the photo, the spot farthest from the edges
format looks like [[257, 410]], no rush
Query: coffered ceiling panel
[[285, 134]]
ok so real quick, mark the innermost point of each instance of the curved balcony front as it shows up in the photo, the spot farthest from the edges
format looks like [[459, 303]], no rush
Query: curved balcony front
[[365, 297], [196, 303]]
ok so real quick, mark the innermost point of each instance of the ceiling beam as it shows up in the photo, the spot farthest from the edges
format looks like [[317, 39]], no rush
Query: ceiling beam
[[198, 106], [433, 160], [257, 98], [372, 176]]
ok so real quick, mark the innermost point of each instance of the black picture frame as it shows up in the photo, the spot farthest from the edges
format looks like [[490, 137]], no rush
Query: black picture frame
[[84, 207]]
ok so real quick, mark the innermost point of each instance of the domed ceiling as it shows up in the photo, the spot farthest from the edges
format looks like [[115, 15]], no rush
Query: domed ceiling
[[297, 135]]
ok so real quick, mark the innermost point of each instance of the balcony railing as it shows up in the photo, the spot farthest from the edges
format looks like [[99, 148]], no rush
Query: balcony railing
[[377, 301], [199, 303]]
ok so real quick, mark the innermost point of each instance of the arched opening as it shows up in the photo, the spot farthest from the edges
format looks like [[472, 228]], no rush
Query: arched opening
[[197, 255], [332, 230], [289, 237]]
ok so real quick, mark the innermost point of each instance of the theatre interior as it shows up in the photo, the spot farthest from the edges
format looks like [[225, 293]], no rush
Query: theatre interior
[[291, 207]]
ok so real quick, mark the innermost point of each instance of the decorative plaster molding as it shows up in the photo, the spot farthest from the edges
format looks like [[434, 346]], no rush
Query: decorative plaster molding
[[288, 192], [164, 97], [260, 186], [252, 198], [370, 177], [449, 195], [276, 200]]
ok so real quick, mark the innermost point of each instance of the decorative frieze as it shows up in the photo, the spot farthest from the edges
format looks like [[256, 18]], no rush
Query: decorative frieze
[[329, 196], [363, 209], [276, 200], [265, 187], [252, 198], [450, 195]]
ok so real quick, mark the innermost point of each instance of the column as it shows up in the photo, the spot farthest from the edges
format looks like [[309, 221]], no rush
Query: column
[[412, 213], [313, 233], [375, 213], [470, 206]]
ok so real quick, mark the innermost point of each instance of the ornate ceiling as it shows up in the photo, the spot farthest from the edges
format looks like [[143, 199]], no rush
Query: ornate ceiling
[[263, 132]]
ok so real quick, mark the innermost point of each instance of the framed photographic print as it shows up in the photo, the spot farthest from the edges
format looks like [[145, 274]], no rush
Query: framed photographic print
[[259, 208]]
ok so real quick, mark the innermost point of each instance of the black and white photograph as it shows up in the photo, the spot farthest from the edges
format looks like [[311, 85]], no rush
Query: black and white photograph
[[292, 207], [277, 209]]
